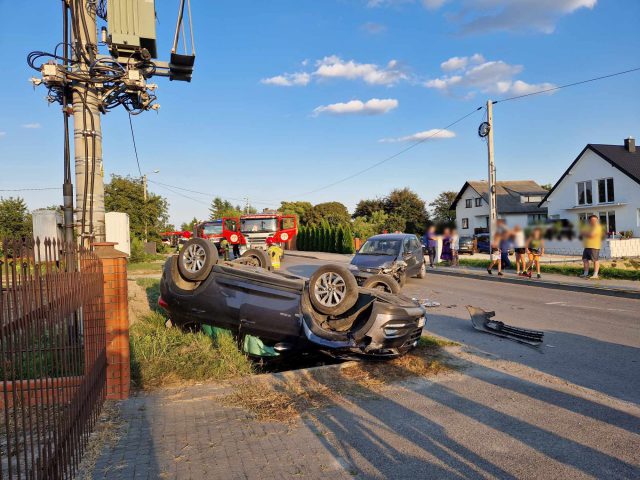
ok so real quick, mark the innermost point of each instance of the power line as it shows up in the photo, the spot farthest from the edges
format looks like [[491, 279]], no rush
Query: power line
[[581, 82], [208, 194], [135, 149], [181, 194], [395, 155], [29, 189]]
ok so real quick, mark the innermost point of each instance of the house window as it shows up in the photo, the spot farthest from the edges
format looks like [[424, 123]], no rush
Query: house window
[[608, 221], [585, 195], [584, 217], [605, 190], [465, 223], [467, 203], [479, 202], [536, 218]]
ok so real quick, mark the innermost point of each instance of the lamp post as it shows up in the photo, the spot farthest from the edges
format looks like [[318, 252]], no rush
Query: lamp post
[[144, 193]]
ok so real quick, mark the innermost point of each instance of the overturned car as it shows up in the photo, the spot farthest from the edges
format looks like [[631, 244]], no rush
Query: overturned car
[[329, 312]]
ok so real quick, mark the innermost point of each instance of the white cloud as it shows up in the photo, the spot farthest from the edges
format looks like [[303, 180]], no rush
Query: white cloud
[[433, 134], [375, 106], [31, 125], [479, 16], [475, 74], [335, 67], [373, 28], [288, 80]]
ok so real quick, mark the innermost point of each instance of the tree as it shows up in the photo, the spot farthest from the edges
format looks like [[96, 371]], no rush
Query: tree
[[347, 241], [223, 208], [126, 194], [365, 208], [334, 213], [408, 205], [301, 210], [394, 223], [441, 212], [189, 226], [15, 220], [547, 186]]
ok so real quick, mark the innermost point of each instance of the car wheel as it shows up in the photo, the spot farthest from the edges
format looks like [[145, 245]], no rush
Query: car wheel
[[423, 271], [333, 289], [196, 259], [384, 283], [256, 258]]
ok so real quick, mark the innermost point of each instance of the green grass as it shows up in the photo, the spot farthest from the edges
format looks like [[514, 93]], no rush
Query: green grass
[[146, 266], [162, 356], [429, 341], [569, 270]]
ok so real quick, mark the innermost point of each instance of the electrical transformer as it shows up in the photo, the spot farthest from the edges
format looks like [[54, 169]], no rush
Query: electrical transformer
[[132, 26]]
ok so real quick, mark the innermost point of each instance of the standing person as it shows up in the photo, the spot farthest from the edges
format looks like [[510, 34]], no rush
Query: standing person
[[446, 255], [520, 246], [505, 246], [535, 249], [497, 254], [592, 237], [455, 246], [430, 241]]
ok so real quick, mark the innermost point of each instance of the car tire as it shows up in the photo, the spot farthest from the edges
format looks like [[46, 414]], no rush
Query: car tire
[[257, 258], [423, 271], [386, 283], [196, 258], [333, 289]]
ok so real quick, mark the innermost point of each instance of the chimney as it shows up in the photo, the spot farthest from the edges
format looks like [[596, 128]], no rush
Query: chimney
[[630, 145]]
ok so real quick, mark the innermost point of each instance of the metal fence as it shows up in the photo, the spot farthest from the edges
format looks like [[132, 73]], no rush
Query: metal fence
[[53, 368]]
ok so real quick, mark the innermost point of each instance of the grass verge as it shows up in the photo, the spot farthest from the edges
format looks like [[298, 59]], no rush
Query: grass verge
[[162, 356], [292, 394], [569, 270]]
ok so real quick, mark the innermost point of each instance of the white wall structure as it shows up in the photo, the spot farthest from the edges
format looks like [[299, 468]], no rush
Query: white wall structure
[[518, 204], [117, 230], [47, 224], [597, 169]]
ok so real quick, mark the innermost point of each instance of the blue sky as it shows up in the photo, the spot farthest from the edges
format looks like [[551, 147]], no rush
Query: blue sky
[[292, 95]]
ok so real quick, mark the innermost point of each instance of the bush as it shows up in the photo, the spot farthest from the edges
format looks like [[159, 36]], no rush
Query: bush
[[137, 251]]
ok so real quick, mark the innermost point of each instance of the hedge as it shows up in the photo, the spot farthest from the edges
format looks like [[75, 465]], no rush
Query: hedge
[[325, 238]]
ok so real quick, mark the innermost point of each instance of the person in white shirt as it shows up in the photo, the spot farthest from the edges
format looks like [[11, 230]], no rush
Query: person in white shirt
[[520, 246], [455, 246]]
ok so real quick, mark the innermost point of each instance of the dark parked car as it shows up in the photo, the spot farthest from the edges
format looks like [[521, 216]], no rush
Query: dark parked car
[[398, 255], [483, 243], [466, 245], [329, 312]]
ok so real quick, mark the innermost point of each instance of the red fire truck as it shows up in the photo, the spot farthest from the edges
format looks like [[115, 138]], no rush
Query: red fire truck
[[261, 230]]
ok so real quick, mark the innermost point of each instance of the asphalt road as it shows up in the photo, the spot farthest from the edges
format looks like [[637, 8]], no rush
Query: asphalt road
[[592, 341]]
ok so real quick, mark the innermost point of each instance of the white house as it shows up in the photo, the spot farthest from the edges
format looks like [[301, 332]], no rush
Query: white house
[[517, 203], [604, 180]]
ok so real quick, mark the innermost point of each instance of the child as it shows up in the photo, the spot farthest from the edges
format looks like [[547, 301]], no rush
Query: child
[[497, 254], [535, 249], [455, 246]]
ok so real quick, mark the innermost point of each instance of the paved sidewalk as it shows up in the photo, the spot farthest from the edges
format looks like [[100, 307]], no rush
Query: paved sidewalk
[[493, 419], [621, 288]]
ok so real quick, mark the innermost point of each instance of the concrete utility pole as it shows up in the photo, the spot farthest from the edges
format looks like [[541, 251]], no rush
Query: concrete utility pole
[[144, 206], [87, 135], [492, 178]]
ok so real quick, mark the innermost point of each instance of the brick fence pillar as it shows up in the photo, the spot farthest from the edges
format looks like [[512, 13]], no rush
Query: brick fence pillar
[[116, 310]]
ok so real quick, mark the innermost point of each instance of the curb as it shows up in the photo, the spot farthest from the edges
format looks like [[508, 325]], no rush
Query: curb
[[289, 254], [607, 291]]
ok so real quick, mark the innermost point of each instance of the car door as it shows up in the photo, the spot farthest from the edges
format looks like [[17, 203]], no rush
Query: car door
[[417, 253], [409, 257]]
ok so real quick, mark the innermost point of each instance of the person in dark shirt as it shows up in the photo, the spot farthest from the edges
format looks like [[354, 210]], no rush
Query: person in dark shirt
[[430, 241]]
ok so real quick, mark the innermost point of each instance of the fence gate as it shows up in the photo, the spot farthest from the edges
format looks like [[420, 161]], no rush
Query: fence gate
[[52, 343]]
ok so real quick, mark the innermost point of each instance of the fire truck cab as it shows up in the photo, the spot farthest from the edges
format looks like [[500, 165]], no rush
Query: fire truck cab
[[261, 230], [216, 230]]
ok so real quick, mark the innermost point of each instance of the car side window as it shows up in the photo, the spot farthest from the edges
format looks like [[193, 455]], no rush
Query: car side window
[[415, 245], [407, 245]]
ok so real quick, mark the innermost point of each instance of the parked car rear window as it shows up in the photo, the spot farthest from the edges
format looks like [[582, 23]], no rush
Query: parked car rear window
[[380, 247]]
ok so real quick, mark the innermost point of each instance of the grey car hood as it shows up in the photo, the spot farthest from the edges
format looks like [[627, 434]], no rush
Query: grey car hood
[[373, 261]]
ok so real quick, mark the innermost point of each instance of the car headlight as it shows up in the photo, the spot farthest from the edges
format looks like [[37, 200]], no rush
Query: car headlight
[[387, 270]]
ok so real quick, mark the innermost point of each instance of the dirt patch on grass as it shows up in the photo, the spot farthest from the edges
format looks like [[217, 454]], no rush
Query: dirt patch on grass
[[138, 301], [286, 396]]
